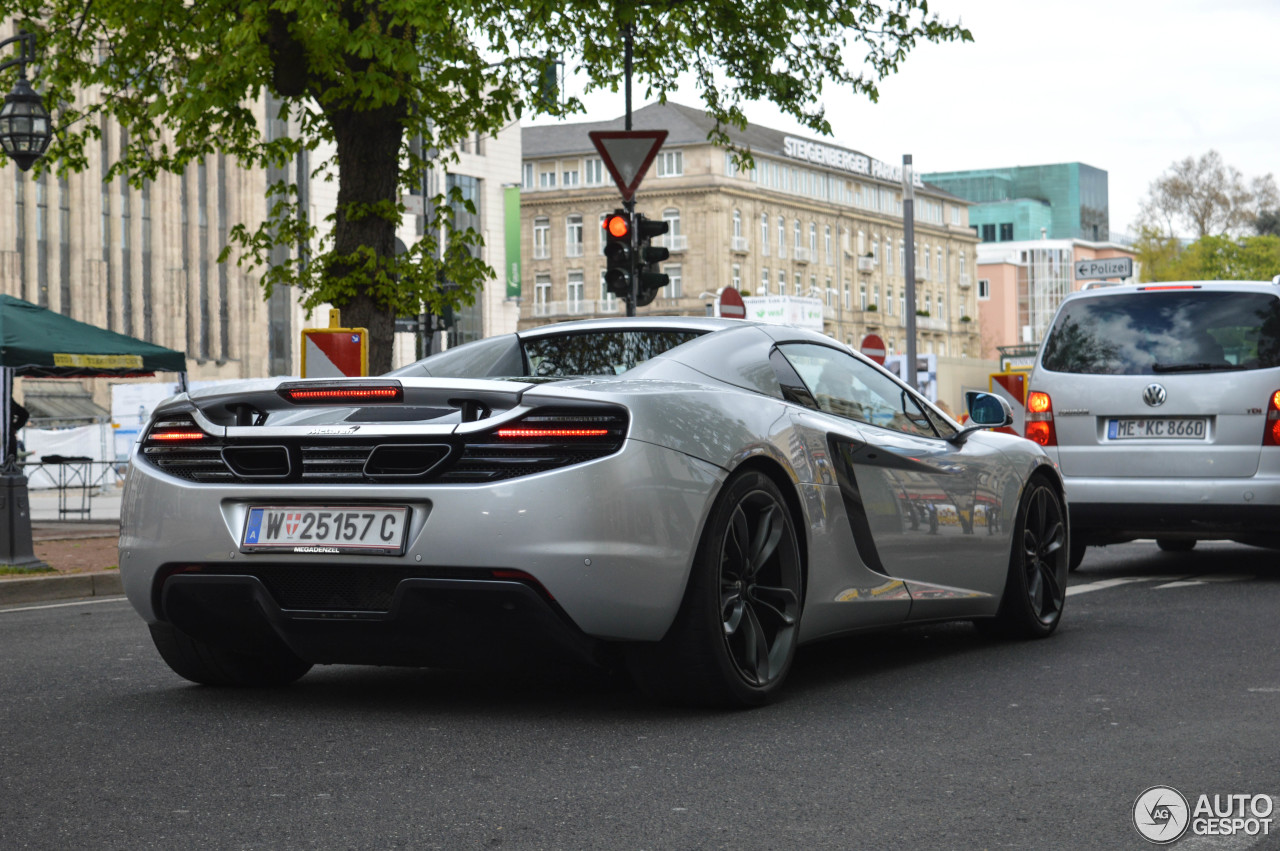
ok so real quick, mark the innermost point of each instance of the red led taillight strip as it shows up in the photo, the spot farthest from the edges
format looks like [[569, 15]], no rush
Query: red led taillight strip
[[176, 435], [362, 394], [552, 432]]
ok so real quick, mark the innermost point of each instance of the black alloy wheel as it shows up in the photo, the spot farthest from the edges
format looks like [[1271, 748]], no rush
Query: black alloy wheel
[[759, 588], [1044, 541], [734, 638], [1036, 587]]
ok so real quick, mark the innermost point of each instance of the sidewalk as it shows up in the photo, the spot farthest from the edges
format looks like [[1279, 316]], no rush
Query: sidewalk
[[81, 549]]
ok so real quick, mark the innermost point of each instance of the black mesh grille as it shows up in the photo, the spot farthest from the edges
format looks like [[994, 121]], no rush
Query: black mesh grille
[[340, 460]]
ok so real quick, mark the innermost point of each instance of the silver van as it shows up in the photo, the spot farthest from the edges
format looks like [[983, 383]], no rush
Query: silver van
[[1160, 404]]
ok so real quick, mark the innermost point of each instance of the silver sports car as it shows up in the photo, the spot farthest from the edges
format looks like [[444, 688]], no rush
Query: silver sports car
[[687, 499]]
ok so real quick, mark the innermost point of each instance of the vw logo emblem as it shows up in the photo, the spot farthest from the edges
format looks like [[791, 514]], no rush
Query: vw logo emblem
[[1154, 395]]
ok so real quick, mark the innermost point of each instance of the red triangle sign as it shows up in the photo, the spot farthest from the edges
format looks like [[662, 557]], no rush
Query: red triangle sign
[[628, 154]]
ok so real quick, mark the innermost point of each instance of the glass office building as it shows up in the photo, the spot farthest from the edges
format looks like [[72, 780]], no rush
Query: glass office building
[[1062, 201]]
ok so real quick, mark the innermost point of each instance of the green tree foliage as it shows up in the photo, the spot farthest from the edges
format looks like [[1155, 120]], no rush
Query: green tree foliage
[[1213, 258], [370, 76]]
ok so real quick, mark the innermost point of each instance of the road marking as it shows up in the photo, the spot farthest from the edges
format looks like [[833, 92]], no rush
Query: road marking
[[1167, 581], [120, 599]]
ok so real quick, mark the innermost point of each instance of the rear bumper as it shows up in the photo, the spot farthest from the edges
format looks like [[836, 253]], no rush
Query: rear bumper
[[469, 623], [1117, 509]]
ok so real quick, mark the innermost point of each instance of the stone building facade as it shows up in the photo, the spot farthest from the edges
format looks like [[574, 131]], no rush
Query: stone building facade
[[810, 220]]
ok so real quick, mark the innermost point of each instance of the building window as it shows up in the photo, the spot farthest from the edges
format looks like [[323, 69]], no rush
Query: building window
[[875, 252], [813, 241], [764, 282], [799, 244], [673, 239], [799, 287], [541, 294], [764, 234], [888, 304], [888, 255], [955, 214], [826, 241], [528, 176], [940, 264], [942, 309], [962, 264], [988, 233], [782, 241], [902, 301], [737, 223], [541, 238], [594, 169], [925, 267], [604, 238], [675, 289], [984, 289], [848, 302], [1006, 231], [573, 236], [736, 280], [574, 289], [670, 164], [570, 177], [862, 296], [782, 282], [608, 301], [730, 167], [547, 179], [831, 294]]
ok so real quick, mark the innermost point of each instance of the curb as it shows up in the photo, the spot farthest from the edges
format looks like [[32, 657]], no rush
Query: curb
[[40, 589]]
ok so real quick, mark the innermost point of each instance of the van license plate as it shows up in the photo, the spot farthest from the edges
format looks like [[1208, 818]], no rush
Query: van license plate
[[1158, 428]]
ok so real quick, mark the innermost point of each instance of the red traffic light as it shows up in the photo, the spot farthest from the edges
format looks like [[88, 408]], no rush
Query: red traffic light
[[617, 226]]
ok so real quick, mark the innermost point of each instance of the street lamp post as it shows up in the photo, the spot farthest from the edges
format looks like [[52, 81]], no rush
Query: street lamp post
[[25, 129]]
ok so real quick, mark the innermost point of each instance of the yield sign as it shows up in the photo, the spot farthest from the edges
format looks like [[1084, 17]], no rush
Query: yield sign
[[628, 154]]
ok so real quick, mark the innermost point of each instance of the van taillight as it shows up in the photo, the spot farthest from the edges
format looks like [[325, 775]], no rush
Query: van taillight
[[1039, 423], [1271, 434]]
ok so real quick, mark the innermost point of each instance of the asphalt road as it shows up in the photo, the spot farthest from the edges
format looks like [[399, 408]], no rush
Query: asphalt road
[[930, 737]]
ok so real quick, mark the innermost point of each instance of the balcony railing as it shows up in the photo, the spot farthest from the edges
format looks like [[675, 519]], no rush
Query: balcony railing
[[739, 243], [672, 243], [573, 249], [866, 265], [930, 323], [802, 254], [964, 281]]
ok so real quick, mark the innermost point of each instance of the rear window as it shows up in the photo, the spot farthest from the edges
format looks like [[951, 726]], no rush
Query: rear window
[[1154, 333], [599, 352]]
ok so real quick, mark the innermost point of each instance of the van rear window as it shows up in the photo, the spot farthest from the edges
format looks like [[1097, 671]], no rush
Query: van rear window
[[1154, 333]]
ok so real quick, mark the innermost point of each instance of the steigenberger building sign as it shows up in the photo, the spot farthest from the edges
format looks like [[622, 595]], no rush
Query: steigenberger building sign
[[844, 160]]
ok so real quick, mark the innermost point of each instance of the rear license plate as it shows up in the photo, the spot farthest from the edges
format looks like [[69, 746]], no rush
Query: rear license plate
[[1158, 428], [326, 529]]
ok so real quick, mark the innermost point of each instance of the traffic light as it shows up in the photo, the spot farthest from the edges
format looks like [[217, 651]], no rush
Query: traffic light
[[650, 279], [619, 258]]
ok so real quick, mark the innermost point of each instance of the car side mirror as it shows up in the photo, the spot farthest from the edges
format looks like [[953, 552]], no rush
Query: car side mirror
[[987, 410]]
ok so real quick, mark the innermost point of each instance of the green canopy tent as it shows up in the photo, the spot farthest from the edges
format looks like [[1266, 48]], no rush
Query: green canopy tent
[[35, 341]]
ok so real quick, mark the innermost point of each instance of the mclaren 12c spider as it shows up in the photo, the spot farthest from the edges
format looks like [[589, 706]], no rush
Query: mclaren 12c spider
[[685, 499]]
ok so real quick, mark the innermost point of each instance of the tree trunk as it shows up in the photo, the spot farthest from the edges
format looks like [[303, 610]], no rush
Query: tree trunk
[[369, 171]]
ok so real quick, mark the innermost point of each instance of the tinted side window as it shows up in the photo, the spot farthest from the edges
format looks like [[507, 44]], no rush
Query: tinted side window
[[843, 385], [599, 353], [1152, 333]]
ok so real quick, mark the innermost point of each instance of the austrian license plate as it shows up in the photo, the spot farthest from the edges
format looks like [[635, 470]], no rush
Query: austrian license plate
[[326, 529], [1157, 428]]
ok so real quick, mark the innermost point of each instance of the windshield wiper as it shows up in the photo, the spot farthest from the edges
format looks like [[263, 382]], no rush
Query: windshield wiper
[[1194, 367]]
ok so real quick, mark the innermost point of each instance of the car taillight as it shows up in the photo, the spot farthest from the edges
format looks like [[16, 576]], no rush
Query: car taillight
[[1271, 434], [341, 394], [542, 433], [1039, 423], [178, 429]]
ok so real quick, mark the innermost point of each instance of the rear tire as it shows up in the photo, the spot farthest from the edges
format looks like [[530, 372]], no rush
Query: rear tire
[[215, 666], [734, 638], [1035, 590], [1176, 545]]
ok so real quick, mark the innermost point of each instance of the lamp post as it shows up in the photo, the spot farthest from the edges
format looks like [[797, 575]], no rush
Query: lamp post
[[25, 132], [25, 129]]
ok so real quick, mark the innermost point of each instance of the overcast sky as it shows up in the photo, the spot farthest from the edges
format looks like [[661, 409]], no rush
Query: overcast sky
[[1129, 87]]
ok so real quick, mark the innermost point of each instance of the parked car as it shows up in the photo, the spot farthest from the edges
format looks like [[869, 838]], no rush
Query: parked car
[[1160, 404], [687, 498]]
